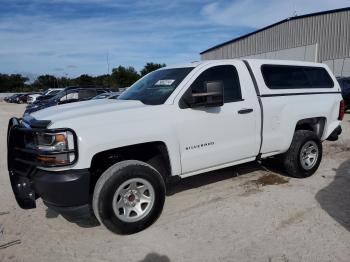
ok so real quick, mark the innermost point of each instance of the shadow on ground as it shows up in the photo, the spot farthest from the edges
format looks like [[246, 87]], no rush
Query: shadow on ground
[[86, 223], [269, 165], [154, 257], [335, 198], [51, 213]]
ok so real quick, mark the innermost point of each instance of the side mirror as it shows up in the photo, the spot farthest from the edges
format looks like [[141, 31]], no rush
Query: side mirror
[[213, 97]]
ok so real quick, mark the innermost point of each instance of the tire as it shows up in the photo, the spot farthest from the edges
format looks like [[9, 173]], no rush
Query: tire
[[119, 195], [304, 155]]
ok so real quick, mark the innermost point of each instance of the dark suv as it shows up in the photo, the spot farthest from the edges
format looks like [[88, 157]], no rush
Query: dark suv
[[68, 95], [344, 83]]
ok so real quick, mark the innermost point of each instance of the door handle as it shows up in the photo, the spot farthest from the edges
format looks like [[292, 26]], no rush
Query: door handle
[[245, 111]]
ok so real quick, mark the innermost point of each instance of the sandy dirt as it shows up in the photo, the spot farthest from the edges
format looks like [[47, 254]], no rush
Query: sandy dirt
[[245, 213]]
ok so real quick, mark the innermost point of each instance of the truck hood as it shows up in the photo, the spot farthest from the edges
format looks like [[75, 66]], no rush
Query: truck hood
[[85, 108]]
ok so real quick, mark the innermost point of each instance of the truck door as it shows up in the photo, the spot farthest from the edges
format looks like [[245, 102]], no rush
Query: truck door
[[214, 137]]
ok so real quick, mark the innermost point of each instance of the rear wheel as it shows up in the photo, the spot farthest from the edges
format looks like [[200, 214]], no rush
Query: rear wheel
[[304, 155], [128, 197]]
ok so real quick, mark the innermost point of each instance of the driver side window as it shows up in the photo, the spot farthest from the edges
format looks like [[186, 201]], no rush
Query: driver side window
[[227, 74]]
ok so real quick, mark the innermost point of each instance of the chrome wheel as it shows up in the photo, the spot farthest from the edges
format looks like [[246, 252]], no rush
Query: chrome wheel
[[133, 200], [309, 155]]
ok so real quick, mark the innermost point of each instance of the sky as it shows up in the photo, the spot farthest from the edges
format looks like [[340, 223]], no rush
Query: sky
[[73, 37]]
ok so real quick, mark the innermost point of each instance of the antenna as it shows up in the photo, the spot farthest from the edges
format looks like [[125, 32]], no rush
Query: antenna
[[107, 62], [108, 74]]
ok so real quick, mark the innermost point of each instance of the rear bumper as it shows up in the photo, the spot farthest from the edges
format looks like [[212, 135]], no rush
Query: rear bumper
[[335, 134]]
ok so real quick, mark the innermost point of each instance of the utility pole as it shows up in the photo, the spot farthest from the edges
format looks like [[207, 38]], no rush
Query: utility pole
[[108, 74]]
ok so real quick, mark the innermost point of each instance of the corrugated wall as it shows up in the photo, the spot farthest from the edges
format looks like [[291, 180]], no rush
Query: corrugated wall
[[330, 31]]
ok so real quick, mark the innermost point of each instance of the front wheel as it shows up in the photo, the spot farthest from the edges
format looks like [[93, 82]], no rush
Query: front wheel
[[129, 197], [304, 155]]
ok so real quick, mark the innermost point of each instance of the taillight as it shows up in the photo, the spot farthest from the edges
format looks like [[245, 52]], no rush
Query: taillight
[[341, 110]]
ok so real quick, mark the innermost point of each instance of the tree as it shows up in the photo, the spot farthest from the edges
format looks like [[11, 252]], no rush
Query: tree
[[12, 83], [124, 76], [103, 80], [44, 82], [84, 80], [149, 67], [121, 77], [65, 81]]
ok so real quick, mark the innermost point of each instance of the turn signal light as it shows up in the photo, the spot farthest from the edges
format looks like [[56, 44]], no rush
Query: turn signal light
[[51, 160], [60, 138]]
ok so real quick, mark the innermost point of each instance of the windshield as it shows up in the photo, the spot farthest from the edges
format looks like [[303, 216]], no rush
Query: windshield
[[156, 87], [54, 92], [59, 95]]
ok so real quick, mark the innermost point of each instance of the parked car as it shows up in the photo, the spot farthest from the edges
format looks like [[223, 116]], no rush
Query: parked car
[[344, 83], [115, 156], [52, 91], [67, 95], [6, 98], [46, 95], [14, 98], [24, 97], [31, 98]]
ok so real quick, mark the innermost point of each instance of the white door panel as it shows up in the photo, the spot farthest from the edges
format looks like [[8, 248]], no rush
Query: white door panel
[[213, 136]]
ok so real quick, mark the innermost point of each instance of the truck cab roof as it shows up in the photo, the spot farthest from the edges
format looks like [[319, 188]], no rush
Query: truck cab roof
[[259, 61]]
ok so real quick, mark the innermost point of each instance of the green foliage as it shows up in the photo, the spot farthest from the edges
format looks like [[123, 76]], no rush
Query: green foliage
[[65, 81], [84, 80], [124, 76], [44, 82], [121, 77], [103, 80], [14, 82], [149, 67]]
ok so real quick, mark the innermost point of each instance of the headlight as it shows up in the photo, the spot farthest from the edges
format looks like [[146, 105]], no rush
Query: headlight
[[53, 148], [52, 142]]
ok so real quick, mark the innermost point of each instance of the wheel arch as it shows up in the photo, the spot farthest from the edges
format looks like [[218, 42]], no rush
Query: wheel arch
[[155, 153], [314, 124]]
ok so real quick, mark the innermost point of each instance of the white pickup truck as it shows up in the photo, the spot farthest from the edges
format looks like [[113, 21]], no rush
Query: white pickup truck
[[114, 156]]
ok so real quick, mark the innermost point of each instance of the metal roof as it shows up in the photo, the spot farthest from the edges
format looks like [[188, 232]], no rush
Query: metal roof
[[275, 24]]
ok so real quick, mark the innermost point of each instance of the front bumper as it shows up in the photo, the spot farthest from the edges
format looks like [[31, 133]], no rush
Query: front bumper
[[67, 192], [62, 188]]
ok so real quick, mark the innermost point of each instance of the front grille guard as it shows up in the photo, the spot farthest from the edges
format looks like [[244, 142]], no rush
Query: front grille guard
[[17, 152], [22, 162]]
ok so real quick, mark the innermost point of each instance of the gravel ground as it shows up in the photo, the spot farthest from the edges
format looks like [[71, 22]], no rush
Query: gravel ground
[[245, 213]]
